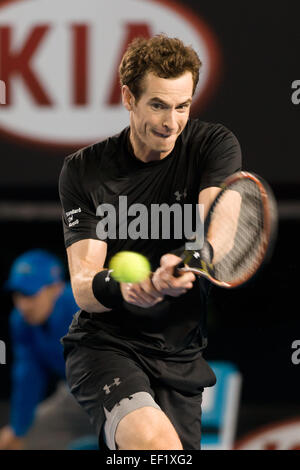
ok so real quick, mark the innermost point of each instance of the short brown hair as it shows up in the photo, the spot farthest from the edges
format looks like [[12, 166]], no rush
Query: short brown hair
[[165, 57]]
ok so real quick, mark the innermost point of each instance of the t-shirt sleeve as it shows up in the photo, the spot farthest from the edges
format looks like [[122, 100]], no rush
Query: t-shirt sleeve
[[220, 157], [78, 212]]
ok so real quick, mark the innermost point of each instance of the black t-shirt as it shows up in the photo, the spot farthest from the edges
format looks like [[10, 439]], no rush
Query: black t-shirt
[[107, 176]]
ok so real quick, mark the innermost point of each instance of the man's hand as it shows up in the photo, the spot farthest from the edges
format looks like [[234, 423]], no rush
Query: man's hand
[[9, 441], [166, 283], [143, 294]]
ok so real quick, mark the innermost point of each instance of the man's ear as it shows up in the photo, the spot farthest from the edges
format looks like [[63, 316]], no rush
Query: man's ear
[[127, 98]]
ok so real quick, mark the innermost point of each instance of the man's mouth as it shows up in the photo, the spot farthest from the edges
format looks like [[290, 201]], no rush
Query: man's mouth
[[161, 134]]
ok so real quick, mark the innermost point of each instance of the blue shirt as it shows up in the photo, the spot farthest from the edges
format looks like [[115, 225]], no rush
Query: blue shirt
[[38, 355]]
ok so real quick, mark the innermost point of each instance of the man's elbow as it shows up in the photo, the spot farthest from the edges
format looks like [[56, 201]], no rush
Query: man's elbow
[[84, 297], [80, 293]]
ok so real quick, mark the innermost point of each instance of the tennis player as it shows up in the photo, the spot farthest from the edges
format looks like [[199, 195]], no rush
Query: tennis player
[[134, 352]]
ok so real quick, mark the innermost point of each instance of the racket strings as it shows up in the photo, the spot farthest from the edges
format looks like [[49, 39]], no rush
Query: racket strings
[[246, 249]]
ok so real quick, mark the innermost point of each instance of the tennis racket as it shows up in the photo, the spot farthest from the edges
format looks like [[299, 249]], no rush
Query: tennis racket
[[241, 226]]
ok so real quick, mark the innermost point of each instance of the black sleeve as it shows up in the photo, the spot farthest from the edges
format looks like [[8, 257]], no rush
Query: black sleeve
[[220, 157], [78, 212]]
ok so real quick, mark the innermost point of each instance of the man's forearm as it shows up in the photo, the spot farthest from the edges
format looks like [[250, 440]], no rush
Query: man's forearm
[[223, 226], [83, 293]]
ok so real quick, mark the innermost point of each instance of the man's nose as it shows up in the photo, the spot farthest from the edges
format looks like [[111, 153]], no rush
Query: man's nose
[[169, 121]]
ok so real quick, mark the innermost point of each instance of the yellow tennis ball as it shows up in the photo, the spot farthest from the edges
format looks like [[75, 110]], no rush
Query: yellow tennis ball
[[128, 266]]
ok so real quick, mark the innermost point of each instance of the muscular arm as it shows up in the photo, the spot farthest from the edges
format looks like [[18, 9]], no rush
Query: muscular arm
[[86, 258], [221, 232], [163, 278], [207, 197]]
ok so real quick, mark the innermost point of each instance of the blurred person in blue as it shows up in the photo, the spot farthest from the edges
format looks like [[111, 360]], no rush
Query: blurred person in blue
[[43, 310]]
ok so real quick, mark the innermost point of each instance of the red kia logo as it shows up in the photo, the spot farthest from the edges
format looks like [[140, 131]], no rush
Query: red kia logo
[[59, 62], [283, 435]]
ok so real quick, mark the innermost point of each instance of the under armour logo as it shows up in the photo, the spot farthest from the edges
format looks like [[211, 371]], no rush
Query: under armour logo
[[115, 382], [196, 255], [107, 277], [179, 195]]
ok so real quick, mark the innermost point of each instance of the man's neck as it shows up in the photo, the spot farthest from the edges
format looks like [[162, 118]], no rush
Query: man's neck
[[142, 152]]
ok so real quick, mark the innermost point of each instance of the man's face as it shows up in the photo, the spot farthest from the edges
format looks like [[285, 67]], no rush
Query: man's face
[[161, 113], [36, 308]]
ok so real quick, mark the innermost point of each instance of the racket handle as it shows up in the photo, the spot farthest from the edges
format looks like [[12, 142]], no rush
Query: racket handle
[[182, 254], [202, 261], [177, 268]]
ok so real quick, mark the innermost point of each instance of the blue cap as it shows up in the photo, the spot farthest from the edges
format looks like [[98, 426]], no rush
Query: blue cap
[[33, 270]]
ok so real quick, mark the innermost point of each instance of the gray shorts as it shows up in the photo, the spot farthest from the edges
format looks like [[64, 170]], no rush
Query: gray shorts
[[121, 409]]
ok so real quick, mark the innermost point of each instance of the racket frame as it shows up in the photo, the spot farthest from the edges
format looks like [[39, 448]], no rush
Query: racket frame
[[270, 218]]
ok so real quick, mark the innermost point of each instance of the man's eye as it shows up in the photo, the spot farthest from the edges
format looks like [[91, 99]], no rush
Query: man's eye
[[183, 106], [157, 106]]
